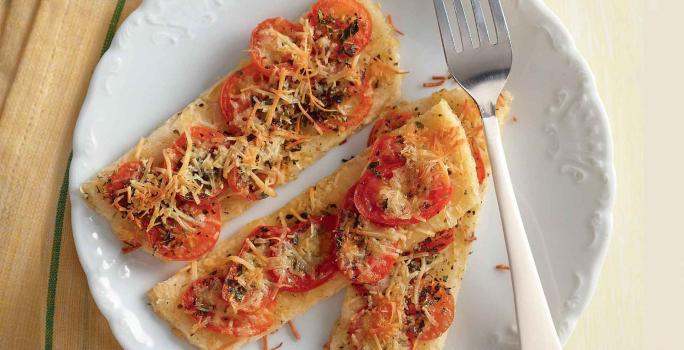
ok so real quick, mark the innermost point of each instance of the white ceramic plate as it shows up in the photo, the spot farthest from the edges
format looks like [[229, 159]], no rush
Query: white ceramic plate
[[559, 151]]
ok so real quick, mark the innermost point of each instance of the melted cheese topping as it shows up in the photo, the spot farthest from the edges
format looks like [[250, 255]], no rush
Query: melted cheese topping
[[402, 285], [203, 174], [154, 192], [362, 239], [299, 254]]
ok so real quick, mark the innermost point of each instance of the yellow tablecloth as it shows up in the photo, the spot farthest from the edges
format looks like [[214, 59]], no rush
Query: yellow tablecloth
[[48, 50]]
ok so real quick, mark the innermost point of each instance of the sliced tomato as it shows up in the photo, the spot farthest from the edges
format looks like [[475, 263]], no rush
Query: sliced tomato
[[356, 261], [267, 52], [238, 95], [254, 295], [242, 185], [205, 144], [131, 170], [202, 137], [130, 246], [248, 298], [264, 238], [361, 258], [346, 105], [436, 244], [202, 301], [246, 324], [370, 323], [423, 191], [172, 242], [294, 277], [346, 23], [386, 155], [436, 299], [203, 297], [348, 205], [126, 199], [391, 121]]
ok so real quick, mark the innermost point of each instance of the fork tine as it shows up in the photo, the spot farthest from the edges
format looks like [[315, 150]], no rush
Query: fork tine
[[466, 38], [480, 22], [499, 22], [448, 40]]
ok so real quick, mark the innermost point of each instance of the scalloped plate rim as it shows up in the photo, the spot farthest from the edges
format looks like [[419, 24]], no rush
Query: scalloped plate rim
[[574, 54]]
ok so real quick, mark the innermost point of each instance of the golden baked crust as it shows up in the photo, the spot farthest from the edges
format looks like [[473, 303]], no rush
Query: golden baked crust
[[165, 296], [205, 110]]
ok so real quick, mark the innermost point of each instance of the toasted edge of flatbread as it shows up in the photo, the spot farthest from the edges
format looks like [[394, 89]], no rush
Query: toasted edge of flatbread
[[164, 297]]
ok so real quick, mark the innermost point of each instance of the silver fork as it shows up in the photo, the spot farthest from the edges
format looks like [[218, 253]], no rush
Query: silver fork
[[481, 68]]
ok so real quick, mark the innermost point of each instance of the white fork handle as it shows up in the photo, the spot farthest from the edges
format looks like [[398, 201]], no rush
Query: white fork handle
[[535, 326]]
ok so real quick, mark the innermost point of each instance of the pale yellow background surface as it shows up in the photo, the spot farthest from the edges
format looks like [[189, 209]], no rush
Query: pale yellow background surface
[[49, 48], [610, 35], [663, 280]]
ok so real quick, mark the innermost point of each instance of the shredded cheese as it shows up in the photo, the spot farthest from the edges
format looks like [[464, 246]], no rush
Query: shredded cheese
[[241, 261], [294, 330]]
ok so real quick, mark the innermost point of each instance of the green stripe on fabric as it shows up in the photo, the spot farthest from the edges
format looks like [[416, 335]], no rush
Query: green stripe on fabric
[[112, 26], [54, 260], [61, 207]]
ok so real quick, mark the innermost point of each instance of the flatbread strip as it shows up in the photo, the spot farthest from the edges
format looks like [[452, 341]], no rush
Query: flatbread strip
[[455, 257], [205, 110], [452, 264], [165, 297]]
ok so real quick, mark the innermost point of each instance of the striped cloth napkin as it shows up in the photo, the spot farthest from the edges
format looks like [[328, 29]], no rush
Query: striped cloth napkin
[[48, 50]]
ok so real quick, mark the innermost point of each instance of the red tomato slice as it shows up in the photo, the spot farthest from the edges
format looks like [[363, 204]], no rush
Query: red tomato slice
[[202, 137], [114, 190], [386, 155], [127, 171], [367, 268], [202, 301], [391, 121], [265, 52], [425, 188], [361, 258], [248, 324], [237, 100], [434, 297], [264, 239], [205, 143], [172, 242], [243, 186], [368, 323], [295, 279], [249, 299], [436, 244], [345, 22], [356, 101], [348, 201]]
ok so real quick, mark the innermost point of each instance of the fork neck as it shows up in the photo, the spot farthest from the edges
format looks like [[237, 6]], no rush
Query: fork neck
[[487, 109]]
